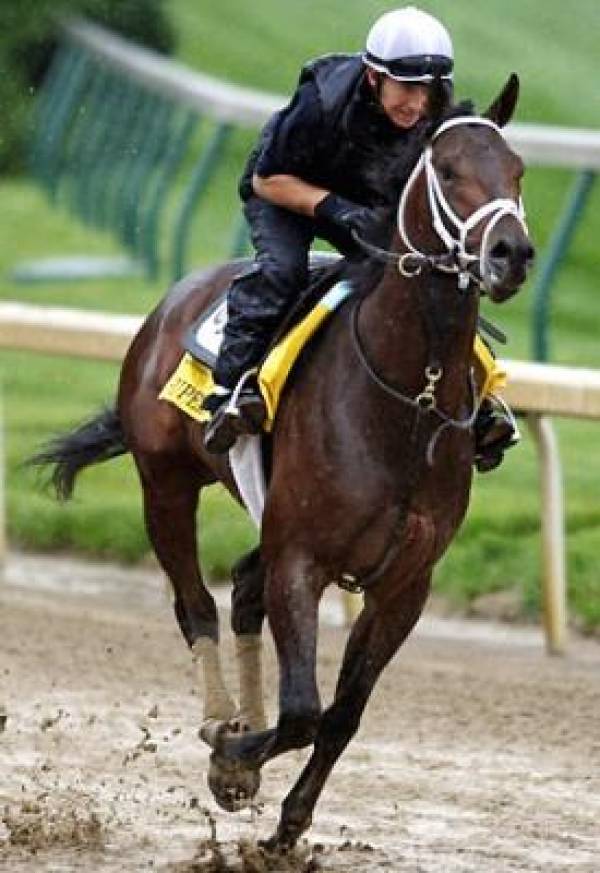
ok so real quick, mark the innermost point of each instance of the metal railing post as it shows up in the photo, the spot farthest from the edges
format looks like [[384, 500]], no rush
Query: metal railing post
[[554, 586], [3, 537]]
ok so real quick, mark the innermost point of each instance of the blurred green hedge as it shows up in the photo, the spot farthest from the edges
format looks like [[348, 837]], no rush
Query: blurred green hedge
[[28, 33]]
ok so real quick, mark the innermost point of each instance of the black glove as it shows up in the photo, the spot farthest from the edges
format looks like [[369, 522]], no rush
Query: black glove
[[337, 213]]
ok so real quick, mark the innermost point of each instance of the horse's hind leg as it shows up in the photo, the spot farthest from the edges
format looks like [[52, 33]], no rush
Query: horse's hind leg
[[378, 633], [171, 492], [233, 783], [247, 616]]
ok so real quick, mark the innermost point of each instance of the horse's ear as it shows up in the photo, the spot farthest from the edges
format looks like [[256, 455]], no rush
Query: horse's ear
[[501, 110], [438, 101]]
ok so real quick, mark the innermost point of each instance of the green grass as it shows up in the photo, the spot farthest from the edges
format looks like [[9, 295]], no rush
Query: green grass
[[263, 45]]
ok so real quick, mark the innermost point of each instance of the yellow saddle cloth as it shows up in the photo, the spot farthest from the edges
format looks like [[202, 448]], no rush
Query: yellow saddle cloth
[[192, 381]]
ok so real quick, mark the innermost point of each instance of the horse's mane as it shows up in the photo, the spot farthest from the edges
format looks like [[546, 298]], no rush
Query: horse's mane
[[391, 175], [395, 172], [455, 110]]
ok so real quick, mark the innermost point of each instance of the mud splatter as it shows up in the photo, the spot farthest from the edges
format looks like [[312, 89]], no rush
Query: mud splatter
[[36, 825]]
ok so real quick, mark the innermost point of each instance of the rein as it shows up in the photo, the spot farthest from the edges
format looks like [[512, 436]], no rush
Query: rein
[[425, 402]]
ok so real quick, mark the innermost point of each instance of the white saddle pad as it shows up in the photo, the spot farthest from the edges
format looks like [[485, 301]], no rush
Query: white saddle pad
[[246, 461]]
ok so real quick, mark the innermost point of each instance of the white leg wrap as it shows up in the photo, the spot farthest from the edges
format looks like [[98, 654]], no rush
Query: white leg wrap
[[217, 701], [248, 649]]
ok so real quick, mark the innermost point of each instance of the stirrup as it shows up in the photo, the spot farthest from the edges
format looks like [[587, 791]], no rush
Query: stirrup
[[233, 413], [496, 430], [222, 430]]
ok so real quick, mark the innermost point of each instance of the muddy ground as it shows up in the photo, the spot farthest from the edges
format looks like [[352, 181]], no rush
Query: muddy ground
[[477, 753]]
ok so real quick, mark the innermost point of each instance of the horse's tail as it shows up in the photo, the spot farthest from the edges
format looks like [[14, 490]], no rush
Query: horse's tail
[[99, 439]]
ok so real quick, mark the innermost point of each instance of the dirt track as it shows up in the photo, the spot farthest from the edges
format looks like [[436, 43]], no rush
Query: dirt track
[[477, 753]]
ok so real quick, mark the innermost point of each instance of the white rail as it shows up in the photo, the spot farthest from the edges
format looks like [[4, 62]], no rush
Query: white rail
[[534, 389], [537, 144]]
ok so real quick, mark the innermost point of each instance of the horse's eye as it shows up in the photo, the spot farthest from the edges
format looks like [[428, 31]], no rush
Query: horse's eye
[[447, 174]]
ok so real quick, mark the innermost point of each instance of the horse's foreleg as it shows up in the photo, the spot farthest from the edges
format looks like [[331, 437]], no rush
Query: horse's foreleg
[[170, 504], [379, 631]]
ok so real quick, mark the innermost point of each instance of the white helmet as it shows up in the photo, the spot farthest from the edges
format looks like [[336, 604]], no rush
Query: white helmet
[[410, 46]]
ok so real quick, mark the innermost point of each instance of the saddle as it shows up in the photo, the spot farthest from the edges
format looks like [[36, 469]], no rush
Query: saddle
[[202, 338], [192, 380]]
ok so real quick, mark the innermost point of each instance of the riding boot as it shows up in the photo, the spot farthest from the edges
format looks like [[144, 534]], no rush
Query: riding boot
[[495, 431], [233, 413]]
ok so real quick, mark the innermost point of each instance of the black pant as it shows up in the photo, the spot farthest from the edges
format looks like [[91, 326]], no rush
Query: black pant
[[259, 299]]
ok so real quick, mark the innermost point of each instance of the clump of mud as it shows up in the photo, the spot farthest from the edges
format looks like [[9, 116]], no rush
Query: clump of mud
[[35, 825], [245, 856], [254, 859]]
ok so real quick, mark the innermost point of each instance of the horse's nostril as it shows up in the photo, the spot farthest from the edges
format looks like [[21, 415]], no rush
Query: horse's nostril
[[503, 250], [500, 250]]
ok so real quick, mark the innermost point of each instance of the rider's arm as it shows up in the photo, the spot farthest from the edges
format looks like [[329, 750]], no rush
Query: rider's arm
[[289, 191], [289, 154]]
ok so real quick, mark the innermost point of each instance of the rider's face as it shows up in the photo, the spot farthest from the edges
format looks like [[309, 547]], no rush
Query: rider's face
[[404, 103]]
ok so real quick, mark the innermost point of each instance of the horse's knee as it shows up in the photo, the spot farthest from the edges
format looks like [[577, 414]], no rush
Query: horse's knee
[[194, 624]]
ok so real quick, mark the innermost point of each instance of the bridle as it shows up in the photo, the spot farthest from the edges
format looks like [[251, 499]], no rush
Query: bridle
[[493, 211], [467, 266]]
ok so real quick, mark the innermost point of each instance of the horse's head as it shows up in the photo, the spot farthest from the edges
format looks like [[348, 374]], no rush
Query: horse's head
[[473, 183]]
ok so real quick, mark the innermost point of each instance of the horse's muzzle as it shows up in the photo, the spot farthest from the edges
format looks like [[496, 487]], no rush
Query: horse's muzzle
[[507, 264]]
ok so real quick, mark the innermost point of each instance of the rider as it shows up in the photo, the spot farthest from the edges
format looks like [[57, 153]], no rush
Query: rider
[[310, 176]]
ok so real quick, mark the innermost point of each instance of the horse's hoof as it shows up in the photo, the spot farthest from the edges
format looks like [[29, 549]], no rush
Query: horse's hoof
[[272, 846], [286, 836], [277, 845], [232, 783]]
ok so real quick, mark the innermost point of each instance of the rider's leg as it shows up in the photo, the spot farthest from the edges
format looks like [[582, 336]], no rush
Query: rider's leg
[[257, 303], [495, 428], [495, 431]]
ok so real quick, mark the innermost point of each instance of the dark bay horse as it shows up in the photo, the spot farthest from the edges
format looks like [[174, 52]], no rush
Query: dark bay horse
[[371, 452]]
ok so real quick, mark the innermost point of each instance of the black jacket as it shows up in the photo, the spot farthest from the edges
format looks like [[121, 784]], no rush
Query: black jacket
[[334, 134]]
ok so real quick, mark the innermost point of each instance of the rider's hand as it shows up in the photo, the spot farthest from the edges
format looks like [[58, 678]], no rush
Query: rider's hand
[[346, 215]]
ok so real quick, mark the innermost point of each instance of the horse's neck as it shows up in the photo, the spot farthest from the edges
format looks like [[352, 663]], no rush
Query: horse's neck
[[407, 324]]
